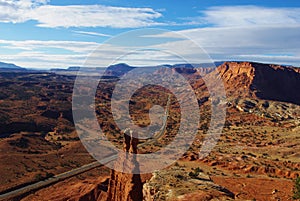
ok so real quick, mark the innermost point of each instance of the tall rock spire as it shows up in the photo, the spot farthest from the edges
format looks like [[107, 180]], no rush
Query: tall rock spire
[[125, 186]]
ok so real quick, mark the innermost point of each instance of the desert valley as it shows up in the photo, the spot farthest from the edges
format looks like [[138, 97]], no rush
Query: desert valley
[[256, 157]]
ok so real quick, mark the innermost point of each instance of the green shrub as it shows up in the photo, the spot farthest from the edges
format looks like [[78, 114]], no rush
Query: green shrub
[[297, 189], [38, 177], [195, 173]]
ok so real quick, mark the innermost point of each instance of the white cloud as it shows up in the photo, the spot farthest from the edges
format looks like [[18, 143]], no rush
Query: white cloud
[[244, 43], [237, 34], [31, 53], [246, 33], [35, 59], [74, 46], [248, 38], [249, 43], [238, 16], [270, 44], [17, 11], [92, 33], [277, 59]]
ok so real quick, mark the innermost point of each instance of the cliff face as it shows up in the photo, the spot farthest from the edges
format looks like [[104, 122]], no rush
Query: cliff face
[[264, 81], [91, 189], [94, 192], [247, 79], [277, 83], [123, 186]]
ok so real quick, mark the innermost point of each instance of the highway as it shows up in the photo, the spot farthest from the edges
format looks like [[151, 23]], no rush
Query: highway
[[52, 180]]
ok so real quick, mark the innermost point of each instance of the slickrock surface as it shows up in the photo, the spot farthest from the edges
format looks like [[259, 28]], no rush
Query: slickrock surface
[[180, 183]]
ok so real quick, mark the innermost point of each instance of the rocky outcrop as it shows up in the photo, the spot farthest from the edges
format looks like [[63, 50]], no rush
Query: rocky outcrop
[[247, 80], [180, 184], [264, 81], [126, 186], [91, 189], [92, 192]]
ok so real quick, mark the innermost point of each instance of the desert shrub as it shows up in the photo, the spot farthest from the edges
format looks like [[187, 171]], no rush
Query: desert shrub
[[38, 177], [192, 174], [21, 143], [198, 170], [195, 173], [297, 189], [48, 175]]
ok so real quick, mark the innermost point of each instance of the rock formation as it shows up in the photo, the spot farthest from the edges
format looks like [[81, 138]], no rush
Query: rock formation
[[126, 186], [264, 81], [180, 184]]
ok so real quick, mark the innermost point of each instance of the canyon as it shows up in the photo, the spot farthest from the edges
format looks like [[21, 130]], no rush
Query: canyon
[[259, 144]]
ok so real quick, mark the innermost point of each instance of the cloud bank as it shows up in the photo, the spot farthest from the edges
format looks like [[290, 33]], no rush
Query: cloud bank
[[230, 33], [19, 11], [238, 16], [246, 33]]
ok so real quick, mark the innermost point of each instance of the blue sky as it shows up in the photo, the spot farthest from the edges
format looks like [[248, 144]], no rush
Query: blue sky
[[62, 33]]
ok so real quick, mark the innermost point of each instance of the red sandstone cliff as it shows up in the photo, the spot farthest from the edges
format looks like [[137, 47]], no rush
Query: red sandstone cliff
[[248, 79], [264, 81]]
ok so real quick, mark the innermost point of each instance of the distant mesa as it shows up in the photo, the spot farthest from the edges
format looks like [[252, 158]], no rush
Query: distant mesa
[[74, 68], [118, 69]]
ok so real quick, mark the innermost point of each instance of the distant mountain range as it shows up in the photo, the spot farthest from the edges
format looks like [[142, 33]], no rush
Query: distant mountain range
[[120, 69], [122, 66], [9, 66]]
